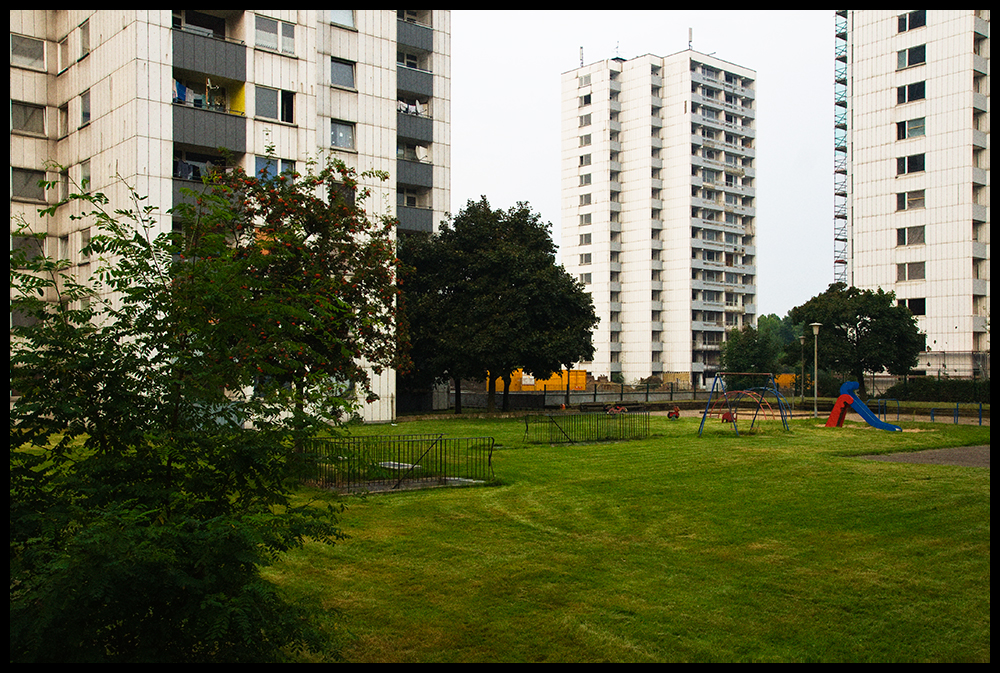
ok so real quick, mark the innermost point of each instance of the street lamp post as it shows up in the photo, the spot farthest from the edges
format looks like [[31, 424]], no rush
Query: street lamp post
[[815, 326], [802, 360]]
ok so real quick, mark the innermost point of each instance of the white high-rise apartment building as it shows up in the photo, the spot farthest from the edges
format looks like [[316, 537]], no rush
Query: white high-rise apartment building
[[149, 95], [913, 172], [658, 212]]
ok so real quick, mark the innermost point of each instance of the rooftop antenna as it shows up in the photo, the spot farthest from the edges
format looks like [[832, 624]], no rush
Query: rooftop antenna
[[581, 57], [690, 36]]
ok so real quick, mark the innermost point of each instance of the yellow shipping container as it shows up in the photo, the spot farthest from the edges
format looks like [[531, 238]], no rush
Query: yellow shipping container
[[520, 381]]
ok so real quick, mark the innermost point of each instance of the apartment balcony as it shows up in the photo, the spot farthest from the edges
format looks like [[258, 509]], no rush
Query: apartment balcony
[[209, 128], [209, 55], [699, 305], [416, 173], [414, 35], [414, 127], [414, 80], [415, 219], [708, 325]]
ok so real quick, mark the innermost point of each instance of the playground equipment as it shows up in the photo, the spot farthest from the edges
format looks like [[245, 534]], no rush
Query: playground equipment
[[849, 398], [730, 405]]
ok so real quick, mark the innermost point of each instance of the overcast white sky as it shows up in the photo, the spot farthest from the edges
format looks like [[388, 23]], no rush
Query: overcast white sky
[[506, 68]]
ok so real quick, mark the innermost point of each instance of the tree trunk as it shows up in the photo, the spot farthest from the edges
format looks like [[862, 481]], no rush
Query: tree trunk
[[862, 389], [505, 406], [491, 393]]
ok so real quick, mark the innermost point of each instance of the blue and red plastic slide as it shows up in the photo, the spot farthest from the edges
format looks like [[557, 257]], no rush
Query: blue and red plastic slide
[[849, 398]]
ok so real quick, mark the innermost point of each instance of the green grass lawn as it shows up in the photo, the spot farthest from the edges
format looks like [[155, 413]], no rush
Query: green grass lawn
[[768, 547]]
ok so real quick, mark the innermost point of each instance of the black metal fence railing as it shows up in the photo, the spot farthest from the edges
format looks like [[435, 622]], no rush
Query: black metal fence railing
[[591, 427], [401, 462]]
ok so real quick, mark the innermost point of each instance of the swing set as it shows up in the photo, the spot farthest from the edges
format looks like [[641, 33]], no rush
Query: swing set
[[732, 406]]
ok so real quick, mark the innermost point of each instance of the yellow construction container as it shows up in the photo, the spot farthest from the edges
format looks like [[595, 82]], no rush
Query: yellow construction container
[[520, 381]]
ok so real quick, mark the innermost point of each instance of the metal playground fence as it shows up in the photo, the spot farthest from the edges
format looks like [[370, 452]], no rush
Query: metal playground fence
[[400, 462], [588, 427]]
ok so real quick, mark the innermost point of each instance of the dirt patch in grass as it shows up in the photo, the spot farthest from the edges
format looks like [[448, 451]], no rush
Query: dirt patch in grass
[[965, 456]]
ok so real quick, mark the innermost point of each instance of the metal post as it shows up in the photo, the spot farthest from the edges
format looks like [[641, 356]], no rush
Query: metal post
[[802, 359], [815, 327]]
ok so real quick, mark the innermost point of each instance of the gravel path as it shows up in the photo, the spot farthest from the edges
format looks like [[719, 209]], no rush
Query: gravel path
[[965, 456]]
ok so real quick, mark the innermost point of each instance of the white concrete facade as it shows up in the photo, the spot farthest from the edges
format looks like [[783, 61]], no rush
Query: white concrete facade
[[658, 212], [148, 96], [913, 155]]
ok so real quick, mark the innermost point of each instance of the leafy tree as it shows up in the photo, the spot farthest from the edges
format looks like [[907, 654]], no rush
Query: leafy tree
[[749, 351], [862, 331], [489, 289], [157, 406], [782, 330]]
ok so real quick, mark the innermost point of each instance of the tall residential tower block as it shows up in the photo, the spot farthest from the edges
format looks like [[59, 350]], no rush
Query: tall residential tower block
[[912, 195], [658, 212], [147, 97]]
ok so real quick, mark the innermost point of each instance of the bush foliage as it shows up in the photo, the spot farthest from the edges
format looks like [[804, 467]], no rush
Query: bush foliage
[[158, 404], [930, 389]]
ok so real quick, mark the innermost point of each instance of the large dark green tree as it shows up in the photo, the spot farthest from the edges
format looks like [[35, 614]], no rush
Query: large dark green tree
[[863, 331], [486, 298], [158, 407], [750, 350]]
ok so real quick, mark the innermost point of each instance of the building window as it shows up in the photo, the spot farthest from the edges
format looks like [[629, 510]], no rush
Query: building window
[[342, 17], [200, 23], [272, 34], [584, 140], [413, 152], [910, 200], [26, 184], [418, 16], [27, 118], [910, 92], [586, 218], [275, 104], [583, 80], [585, 259], [62, 54], [916, 306], [911, 164], [190, 165], [910, 236], [585, 179], [585, 239], [585, 120], [342, 73], [342, 135], [411, 198], [409, 60], [27, 52], [910, 271], [585, 278], [585, 100], [270, 167], [85, 108], [910, 129], [907, 58], [915, 19], [85, 178], [584, 199], [84, 38], [584, 159]]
